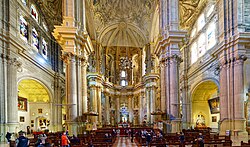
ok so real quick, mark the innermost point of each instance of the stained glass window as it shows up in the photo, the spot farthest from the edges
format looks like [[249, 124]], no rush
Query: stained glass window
[[210, 10], [45, 26], [123, 83], [203, 40], [201, 45], [35, 39], [201, 22], [123, 74], [193, 32], [44, 49], [24, 2], [211, 40], [194, 55], [23, 29], [33, 12]]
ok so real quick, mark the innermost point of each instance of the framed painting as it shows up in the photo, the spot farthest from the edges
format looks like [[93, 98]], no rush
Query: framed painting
[[214, 105], [214, 118], [40, 110], [21, 119], [22, 104]]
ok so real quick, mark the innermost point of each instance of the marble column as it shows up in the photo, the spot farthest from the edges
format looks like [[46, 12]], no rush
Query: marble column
[[99, 106], [130, 109], [163, 86], [84, 85], [118, 110], [79, 83], [93, 102], [12, 100], [107, 109], [71, 93], [3, 97], [152, 102], [174, 93], [148, 104], [167, 85], [141, 107]]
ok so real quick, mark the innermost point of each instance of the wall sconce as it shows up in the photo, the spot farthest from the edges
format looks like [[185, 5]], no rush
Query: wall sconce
[[46, 113], [33, 113]]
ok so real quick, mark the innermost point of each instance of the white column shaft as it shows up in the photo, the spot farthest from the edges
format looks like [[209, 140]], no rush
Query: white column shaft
[[12, 116], [71, 90]]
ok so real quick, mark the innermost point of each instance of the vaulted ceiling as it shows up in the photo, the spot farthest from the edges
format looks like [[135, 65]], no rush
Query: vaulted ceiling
[[205, 91], [122, 22], [189, 11], [33, 91]]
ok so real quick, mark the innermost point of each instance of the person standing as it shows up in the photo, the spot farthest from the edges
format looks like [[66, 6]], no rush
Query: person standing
[[148, 139], [65, 141], [8, 136], [22, 141], [182, 139], [200, 140]]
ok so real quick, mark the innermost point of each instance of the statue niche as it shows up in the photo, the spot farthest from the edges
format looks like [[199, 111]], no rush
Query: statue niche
[[92, 62]]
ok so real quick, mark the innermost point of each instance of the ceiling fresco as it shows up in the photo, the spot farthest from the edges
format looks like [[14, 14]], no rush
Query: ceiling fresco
[[189, 11]]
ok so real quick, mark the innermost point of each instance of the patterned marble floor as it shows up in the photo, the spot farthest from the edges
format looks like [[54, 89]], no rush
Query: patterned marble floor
[[124, 142]]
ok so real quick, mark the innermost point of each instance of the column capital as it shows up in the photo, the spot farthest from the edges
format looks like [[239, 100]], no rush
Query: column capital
[[240, 59], [68, 57], [84, 61], [165, 61]]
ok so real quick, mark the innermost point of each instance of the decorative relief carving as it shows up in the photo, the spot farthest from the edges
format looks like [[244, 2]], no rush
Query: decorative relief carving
[[131, 10], [189, 10], [52, 9], [92, 62], [68, 57], [137, 12], [168, 60]]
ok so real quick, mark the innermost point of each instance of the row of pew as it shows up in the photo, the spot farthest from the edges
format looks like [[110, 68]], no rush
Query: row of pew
[[172, 139]]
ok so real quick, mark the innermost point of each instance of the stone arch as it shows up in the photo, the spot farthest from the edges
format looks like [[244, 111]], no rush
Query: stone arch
[[197, 83], [45, 86], [202, 94]]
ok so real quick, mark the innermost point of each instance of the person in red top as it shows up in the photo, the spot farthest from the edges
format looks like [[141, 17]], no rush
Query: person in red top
[[64, 140]]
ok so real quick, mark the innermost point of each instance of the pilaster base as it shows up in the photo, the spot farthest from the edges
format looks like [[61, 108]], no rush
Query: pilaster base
[[234, 126], [13, 127], [176, 125], [185, 125], [72, 128], [237, 129], [3, 131]]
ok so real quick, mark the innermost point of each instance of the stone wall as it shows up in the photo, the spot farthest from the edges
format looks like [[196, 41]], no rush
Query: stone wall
[[247, 14]]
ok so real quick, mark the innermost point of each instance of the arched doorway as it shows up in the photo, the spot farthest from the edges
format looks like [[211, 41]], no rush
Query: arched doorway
[[34, 108], [205, 106]]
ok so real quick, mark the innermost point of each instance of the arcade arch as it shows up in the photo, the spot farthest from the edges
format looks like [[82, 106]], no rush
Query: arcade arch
[[205, 105], [34, 105]]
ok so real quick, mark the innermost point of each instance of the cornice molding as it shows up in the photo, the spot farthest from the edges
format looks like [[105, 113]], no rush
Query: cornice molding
[[170, 37]]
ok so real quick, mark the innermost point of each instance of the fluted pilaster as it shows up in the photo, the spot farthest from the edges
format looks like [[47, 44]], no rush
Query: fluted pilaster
[[93, 102], [130, 109], [118, 109], [99, 105], [163, 87], [12, 100], [107, 109]]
